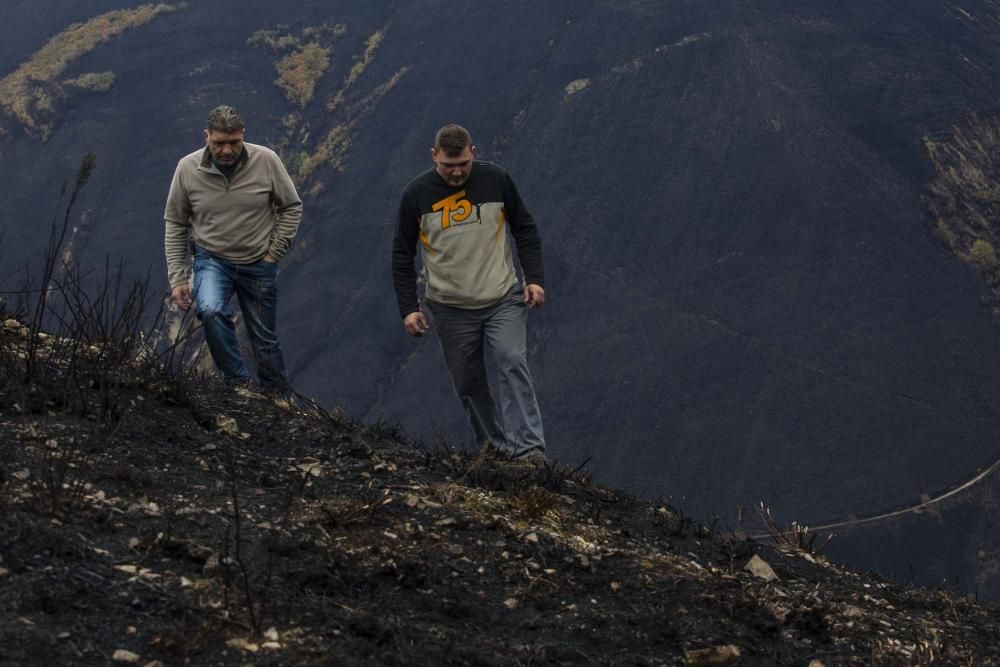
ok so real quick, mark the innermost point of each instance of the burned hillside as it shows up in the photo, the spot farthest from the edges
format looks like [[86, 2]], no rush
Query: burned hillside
[[152, 517]]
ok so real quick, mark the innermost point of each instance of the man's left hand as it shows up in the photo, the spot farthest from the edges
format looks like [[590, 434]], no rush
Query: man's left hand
[[269, 258], [534, 295]]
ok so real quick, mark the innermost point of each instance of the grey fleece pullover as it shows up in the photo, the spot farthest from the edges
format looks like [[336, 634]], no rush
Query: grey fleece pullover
[[241, 219]]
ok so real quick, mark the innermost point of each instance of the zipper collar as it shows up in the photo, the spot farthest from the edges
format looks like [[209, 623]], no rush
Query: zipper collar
[[209, 166]]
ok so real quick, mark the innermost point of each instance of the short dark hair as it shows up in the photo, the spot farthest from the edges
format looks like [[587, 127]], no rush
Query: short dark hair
[[224, 118], [452, 138]]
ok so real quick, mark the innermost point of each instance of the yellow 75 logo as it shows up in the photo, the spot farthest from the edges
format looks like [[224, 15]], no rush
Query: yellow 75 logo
[[453, 208]]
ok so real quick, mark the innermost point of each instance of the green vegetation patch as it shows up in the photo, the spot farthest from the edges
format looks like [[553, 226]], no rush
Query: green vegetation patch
[[330, 151], [963, 200], [990, 196], [96, 81], [30, 92], [360, 64], [333, 149], [298, 72], [983, 255], [304, 58]]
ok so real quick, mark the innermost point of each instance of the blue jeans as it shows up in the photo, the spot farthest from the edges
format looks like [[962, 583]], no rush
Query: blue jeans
[[256, 287], [515, 425]]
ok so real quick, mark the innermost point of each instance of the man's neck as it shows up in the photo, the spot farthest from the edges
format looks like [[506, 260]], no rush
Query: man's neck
[[227, 170]]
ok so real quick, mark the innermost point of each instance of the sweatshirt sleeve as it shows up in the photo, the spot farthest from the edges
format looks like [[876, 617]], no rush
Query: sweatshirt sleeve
[[288, 206], [177, 233], [404, 250], [525, 233]]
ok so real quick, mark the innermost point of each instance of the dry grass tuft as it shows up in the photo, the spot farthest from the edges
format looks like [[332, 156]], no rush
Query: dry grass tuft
[[795, 536], [534, 502]]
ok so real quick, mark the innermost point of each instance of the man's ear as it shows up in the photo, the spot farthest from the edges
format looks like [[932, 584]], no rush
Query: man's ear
[[206, 136], [473, 150], [434, 154]]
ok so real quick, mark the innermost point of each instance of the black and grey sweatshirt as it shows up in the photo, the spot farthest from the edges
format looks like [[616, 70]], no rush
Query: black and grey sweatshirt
[[466, 256]]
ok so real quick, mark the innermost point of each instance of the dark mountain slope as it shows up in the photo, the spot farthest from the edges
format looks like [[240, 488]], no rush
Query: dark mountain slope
[[746, 298], [948, 543]]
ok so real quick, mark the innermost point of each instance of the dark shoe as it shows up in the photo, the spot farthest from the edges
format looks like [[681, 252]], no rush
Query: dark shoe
[[246, 388], [286, 399], [535, 457], [490, 452]]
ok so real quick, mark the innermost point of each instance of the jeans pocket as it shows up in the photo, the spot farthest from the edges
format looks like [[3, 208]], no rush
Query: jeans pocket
[[265, 268], [265, 278]]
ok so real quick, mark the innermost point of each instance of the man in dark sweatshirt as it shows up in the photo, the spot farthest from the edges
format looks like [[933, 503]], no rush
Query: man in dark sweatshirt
[[457, 212]]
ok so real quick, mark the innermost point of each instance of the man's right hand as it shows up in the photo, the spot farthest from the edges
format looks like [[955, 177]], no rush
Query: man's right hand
[[416, 324], [182, 296]]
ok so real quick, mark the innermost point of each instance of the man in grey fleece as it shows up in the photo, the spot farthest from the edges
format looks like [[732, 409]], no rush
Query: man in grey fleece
[[233, 204], [459, 214]]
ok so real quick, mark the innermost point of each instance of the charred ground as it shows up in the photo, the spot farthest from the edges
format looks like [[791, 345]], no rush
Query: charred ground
[[156, 518]]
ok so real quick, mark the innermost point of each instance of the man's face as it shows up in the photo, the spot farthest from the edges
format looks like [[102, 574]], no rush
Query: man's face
[[225, 147], [453, 166]]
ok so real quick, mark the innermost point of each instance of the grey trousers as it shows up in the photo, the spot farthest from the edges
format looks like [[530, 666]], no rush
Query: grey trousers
[[464, 334]]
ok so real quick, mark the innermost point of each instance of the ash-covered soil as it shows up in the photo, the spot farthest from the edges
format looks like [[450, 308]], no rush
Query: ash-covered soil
[[157, 519]]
